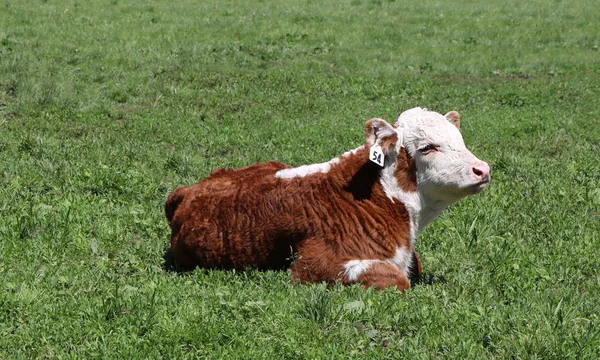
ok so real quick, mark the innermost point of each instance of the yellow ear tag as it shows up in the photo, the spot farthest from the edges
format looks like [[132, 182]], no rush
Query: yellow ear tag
[[376, 154]]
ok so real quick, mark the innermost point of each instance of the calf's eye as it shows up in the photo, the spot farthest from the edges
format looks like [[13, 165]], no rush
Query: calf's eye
[[429, 148]]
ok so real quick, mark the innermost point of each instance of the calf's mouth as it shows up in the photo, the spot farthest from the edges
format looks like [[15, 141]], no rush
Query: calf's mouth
[[479, 186]]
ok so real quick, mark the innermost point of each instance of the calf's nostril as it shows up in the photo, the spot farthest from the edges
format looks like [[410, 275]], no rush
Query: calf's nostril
[[481, 171]]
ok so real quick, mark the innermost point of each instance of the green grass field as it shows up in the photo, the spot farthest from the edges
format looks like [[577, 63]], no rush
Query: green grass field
[[107, 106]]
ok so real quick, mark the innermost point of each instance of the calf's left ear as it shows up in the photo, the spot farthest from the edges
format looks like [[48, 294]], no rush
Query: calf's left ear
[[454, 118], [378, 131]]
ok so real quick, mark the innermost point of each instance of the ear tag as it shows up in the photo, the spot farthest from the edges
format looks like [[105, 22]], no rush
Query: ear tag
[[376, 154]]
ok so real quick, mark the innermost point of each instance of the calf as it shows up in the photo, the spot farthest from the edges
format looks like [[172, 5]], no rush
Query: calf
[[352, 219]]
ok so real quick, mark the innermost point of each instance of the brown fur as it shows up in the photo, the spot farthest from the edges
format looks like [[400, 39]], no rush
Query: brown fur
[[250, 218]]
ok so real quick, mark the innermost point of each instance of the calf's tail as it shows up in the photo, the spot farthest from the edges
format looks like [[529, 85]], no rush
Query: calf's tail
[[173, 202]]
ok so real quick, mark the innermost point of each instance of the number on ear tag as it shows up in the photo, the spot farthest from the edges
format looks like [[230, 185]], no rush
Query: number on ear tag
[[376, 155]]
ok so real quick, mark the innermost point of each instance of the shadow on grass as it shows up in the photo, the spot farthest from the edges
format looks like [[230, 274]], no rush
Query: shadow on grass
[[169, 263], [426, 279]]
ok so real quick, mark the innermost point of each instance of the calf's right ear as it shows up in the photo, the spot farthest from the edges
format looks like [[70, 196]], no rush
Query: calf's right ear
[[378, 131]]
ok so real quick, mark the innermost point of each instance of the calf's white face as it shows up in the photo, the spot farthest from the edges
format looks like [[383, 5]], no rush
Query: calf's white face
[[446, 170]]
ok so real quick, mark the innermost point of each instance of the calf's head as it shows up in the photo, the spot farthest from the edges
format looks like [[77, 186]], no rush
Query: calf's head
[[446, 171]]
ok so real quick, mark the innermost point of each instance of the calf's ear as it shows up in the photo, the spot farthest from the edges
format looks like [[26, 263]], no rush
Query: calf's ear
[[378, 131], [454, 118]]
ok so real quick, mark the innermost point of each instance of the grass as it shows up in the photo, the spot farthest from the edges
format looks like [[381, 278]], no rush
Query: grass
[[107, 106]]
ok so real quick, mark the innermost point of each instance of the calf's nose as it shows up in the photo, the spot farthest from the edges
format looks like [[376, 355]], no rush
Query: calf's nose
[[481, 171]]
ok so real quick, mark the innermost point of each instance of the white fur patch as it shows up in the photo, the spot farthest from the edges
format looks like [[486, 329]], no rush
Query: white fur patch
[[306, 170], [411, 200], [353, 269], [401, 259], [352, 152], [303, 171]]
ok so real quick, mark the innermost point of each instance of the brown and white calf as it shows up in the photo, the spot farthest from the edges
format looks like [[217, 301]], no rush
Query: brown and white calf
[[352, 219]]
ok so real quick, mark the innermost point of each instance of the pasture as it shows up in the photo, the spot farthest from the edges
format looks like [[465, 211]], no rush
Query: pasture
[[107, 106]]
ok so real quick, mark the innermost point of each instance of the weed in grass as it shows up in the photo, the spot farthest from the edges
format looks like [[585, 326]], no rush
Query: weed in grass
[[318, 306]]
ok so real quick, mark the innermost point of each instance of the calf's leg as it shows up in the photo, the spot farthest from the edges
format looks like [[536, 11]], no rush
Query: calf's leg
[[371, 273], [382, 276], [316, 264]]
